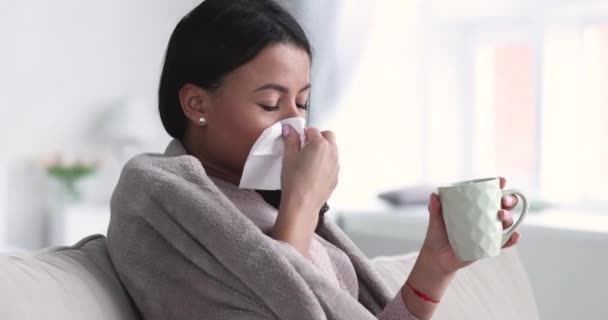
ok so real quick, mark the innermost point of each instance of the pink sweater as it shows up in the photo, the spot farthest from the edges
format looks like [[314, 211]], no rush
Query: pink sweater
[[329, 260]]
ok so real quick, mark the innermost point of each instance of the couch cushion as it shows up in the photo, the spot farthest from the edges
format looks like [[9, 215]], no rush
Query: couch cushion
[[496, 288], [76, 282]]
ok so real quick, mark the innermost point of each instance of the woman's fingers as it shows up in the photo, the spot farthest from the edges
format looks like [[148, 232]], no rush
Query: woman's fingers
[[311, 172], [509, 202], [515, 238], [436, 218], [507, 221], [329, 136], [292, 142], [503, 182], [312, 135], [506, 217]]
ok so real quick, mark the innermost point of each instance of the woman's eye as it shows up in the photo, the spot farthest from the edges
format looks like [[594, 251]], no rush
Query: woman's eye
[[269, 108], [277, 107]]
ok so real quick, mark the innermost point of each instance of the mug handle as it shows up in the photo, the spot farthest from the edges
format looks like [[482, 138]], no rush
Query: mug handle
[[507, 233]]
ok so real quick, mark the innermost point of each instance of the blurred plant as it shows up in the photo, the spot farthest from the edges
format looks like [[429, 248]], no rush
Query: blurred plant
[[68, 173]]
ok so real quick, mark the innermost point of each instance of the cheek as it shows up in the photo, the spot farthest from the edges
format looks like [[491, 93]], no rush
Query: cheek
[[247, 127], [246, 134], [242, 132]]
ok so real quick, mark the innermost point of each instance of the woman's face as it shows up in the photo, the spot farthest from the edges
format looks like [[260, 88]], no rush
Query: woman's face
[[272, 87]]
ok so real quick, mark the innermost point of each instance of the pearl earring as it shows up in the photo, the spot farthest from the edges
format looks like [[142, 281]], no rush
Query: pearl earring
[[202, 121]]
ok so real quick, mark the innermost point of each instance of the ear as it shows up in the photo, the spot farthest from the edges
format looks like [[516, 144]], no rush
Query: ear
[[194, 101]]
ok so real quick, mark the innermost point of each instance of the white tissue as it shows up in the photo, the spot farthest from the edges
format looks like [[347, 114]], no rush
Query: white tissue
[[263, 167]]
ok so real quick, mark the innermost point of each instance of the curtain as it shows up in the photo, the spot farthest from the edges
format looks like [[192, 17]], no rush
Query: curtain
[[338, 31], [367, 87]]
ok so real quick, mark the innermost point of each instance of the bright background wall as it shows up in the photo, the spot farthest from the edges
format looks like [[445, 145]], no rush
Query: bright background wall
[[64, 64], [419, 93]]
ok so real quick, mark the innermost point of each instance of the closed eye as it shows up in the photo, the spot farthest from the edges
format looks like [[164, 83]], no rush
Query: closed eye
[[270, 108], [278, 106], [304, 106]]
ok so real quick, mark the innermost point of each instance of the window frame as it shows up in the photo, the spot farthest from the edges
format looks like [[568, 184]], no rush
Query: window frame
[[482, 33], [524, 33]]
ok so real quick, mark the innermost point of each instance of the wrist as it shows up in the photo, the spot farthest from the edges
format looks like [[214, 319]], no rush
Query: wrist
[[295, 228], [425, 285], [292, 228], [293, 201], [431, 261], [428, 270]]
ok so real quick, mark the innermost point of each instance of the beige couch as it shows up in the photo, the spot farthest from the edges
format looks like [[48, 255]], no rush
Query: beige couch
[[79, 282]]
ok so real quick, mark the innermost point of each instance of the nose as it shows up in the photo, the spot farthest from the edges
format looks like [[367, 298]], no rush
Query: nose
[[292, 111]]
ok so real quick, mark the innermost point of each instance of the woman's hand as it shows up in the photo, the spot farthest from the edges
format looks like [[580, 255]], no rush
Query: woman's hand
[[437, 262], [310, 174], [308, 178], [436, 243]]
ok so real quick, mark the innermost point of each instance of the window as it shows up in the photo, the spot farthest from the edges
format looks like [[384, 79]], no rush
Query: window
[[540, 111], [520, 95], [505, 112], [595, 48], [574, 157]]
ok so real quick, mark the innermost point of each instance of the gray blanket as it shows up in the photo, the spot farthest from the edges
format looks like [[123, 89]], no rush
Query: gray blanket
[[184, 251]]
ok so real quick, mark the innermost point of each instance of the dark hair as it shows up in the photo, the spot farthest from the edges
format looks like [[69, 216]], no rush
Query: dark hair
[[214, 39]]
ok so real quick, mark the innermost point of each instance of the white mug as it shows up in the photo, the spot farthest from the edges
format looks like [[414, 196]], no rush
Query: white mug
[[470, 211]]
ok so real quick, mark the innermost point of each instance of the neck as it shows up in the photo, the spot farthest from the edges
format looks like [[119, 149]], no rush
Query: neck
[[217, 172], [212, 168]]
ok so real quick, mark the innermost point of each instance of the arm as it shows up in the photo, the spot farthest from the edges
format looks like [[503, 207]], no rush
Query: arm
[[295, 226], [396, 310], [407, 303], [427, 278], [437, 262], [309, 176]]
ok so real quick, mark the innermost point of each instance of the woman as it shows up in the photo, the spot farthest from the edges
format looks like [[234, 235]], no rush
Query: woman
[[188, 243]]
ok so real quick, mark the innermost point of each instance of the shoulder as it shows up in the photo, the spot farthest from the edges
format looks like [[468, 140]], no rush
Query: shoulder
[[157, 176], [151, 167], [160, 166]]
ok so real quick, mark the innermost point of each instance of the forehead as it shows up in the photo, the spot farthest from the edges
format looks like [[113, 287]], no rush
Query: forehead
[[284, 64]]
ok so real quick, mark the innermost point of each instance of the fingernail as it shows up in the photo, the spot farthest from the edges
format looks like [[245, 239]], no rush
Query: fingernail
[[285, 130]]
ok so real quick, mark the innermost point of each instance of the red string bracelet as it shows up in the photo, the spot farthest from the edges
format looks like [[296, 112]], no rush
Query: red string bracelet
[[421, 295]]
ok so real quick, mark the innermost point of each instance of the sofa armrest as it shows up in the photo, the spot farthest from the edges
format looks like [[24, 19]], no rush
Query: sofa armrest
[[496, 288]]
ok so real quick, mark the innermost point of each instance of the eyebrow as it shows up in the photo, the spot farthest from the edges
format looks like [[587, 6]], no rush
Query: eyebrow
[[279, 88]]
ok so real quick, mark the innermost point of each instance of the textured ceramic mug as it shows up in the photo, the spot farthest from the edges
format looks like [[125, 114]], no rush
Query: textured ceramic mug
[[470, 211]]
